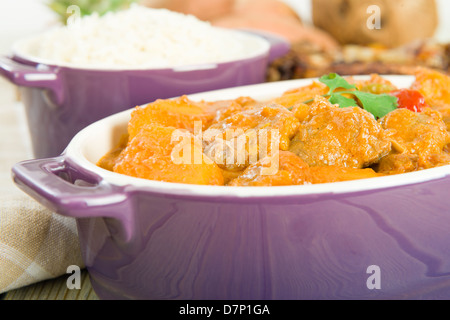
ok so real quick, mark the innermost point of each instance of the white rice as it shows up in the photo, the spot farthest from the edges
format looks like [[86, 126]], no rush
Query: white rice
[[139, 37]]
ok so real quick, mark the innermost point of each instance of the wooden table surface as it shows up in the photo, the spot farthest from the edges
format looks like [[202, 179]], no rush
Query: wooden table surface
[[54, 289]]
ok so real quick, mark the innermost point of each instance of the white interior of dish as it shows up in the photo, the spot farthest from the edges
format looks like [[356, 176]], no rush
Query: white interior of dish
[[254, 46], [93, 142]]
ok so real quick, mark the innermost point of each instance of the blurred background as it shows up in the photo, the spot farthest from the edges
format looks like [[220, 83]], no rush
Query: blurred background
[[326, 35], [21, 18]]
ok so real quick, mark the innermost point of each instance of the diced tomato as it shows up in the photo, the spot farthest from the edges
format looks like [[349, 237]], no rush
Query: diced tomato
[[410, 99]]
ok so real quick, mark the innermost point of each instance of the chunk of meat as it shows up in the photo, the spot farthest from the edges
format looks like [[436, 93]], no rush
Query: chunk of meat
[[346, 137], [223, 109], [407, 162], [398, 163], [167, 154], [283, 169], [229, 175], [421, 133], [248, 136], [422, 137]]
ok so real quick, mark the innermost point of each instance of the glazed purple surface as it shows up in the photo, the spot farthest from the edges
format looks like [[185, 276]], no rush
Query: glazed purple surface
[[60, 101], [141, 244]]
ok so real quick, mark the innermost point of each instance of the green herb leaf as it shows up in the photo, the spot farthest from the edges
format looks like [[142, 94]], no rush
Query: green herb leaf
[[335, 81], [342, 101], [377, 104]]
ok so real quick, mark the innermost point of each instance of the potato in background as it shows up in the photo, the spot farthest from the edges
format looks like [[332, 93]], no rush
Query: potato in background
[[402, 21]]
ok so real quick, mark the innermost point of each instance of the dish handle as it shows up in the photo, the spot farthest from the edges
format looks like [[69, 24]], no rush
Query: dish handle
[[39, 76], [74, 192]]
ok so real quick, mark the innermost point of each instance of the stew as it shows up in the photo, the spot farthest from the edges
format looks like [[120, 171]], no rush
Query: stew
[[335, 129]]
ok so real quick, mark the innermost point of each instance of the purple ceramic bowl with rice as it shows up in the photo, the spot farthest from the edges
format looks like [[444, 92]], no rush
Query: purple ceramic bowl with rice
[[62, 97], [379, 238]]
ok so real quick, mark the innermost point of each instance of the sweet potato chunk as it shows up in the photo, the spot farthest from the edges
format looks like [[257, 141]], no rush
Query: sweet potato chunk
[[183, 113], [435, 87], [282, 170], [300, 95], [333, 136], [337, 174], [167, 154], [180, 113]]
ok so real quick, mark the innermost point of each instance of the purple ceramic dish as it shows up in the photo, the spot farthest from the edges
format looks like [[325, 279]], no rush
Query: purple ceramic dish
[[60, 100], [379, 238]]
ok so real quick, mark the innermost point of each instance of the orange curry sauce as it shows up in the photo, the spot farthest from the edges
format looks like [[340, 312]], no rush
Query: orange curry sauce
[[285, 141]]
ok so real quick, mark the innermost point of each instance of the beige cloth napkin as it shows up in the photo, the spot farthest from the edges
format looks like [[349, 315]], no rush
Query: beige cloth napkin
[[35, 243]]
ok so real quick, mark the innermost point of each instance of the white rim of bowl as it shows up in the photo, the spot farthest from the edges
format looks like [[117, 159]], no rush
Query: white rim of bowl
[[76, 153]]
